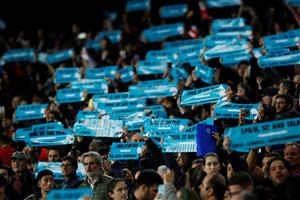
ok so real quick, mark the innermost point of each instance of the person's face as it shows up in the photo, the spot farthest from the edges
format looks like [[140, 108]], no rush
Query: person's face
[[46, 183], [292, 154], [179, 159], [93, 146], [150, 192], [282, 90], [120, 192], [211, 165], [229, 170], [4, 173], [280, 105], [92, 168], [67, 168], [278, 172], [18, 165], [265, 163], [203, 188], [234, 192], [53, 156], [137, 138]]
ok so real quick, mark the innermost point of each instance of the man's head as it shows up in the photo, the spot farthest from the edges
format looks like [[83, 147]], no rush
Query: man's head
[[137, 138], [240, 181], [265, 162], [18, 162], [68, 166], [92, 163], [45, 180], [292, 154], [53, 155], [211, 163], [96, 145], [279, 170], [286, 87], [213, 186], [146, 185], [283, 103]]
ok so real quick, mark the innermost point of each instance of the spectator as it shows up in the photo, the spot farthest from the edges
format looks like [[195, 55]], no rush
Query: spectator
[[292, 155], [211, 163], [53, 155], [69, 167], [212, 187], [117, 189], [239, 182]]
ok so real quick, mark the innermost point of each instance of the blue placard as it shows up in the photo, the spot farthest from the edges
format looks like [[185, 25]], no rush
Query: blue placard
[[173, 11], [222, 3], [70, 194], [193, 128], [281, 40], [96, 86], [161, 32], [154, 82], [232, 110], [98, 128], [183, 44], [125, 151], [295, 3], [16, 55], [205, 141], [50, 137], [234, 59], [55, 167], [214, 40], [226, 49], [137, 5], [203, 95], [59, 56], [47, 126], [167, 55], [157, 91], [226, 23], [98, 73], [66, 75], [69, 95], [93, 44], [245, 31], [114, 36], [147, 67], [178, 72], [127, 74], [120, 105], [204, 72], [277, 60], [21, 134], [190, 52], [277, 51], [264, 134], [165, 125], [111, 97], [179, 142], [87, 114], [31, 111]]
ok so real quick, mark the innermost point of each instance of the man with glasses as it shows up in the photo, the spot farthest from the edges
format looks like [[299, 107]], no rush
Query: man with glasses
[[69, 166], [238, 183], [95, 179]]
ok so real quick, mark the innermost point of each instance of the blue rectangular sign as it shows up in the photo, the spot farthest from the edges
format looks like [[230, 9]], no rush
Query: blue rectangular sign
[[173, 11], [69, 95], [31, 111], [166, 90], [127, 74], [125, 151], [147, 67], [66, 75], [96, 86], [114, 36], [161, 32], [70, 194], [276, 60], [137, 5], [179, 142], [17, 55], [59, 56], [99, 73]]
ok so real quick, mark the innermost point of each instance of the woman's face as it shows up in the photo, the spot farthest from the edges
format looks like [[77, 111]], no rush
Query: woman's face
[[120, 192], [278, 172], [229, 171]]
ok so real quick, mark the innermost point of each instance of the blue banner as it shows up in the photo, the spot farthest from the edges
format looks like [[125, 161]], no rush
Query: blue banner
[[93, 44], [21, 134], [69, 95], [50, 137], [214, 40], [227, 23], [183, 44], [193, 128], [232, 110], [96, 86], [55, 167], [222, 3], [264, 134], [226, 49], [87, 114], [146, 67], [154, 82], [204, 72], [126, 74], [66, 75], [125, 151], [281, 40], [98, 128], [205, 141], [178, 72], [47, 126], [111, 97], [120, 105], [203, 95], [245, 31], [59, 56], [190, 52], [276, 60], [168, 55], [114, 36], [277, 51], [161, 32], [295, 3], [31, 111], [99, 73], [70, 194], [234, 59], [165, 125], [16, 55], [179, 142], [173, 11], [137, 5], [156, 91]]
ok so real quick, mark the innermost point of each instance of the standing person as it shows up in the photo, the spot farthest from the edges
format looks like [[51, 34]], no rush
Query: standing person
[[45, 183], [213, 187], [53, 155], [95, 179], [69, 166], [117, 189], [23, 182]]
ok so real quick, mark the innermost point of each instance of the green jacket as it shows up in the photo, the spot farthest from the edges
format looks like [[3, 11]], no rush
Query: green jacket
[[100, 188]]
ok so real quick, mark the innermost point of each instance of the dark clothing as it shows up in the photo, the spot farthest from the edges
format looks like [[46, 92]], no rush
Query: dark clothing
[[27, 184], [73, 182], [288, 190]]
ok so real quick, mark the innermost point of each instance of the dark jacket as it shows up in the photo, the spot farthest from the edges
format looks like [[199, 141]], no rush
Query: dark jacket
[[73, 182], [29, 186]]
